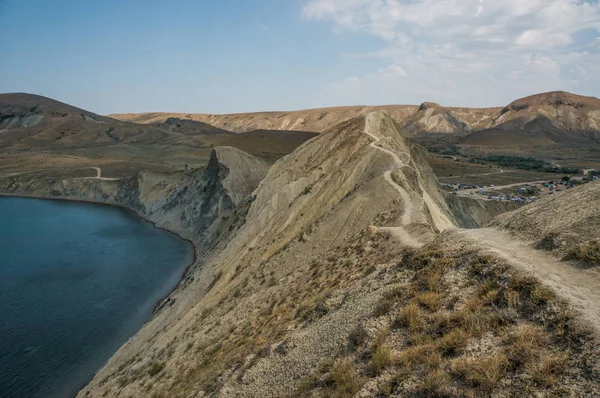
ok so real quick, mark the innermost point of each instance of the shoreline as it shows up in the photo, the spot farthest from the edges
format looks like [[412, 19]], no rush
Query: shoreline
[[142, 217]]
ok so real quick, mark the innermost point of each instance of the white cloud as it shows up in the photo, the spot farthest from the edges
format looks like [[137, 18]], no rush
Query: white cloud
[[394, 71], [481, 43]]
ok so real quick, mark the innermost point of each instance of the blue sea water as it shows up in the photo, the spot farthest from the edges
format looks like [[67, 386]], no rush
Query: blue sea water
[[76, 281]]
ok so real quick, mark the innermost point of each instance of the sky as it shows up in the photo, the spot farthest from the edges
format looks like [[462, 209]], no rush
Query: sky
[[226, 56]]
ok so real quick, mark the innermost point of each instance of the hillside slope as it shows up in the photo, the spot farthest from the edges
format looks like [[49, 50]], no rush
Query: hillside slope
[[316, 120], [563, 222], [30, 121], [542, 119], [538, 120], [433, 118], [311, 201]]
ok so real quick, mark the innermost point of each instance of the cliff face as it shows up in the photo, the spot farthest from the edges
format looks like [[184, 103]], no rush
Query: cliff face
[[191, 204]]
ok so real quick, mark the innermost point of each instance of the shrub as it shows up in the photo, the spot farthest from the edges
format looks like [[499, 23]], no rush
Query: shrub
[[156, 368], [588, 253], [412, 318], [431, 301], [453, 342], [346, 381], [485, 373], [357, 338]]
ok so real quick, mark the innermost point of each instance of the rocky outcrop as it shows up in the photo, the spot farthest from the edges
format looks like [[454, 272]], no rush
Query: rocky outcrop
[[190, 204]]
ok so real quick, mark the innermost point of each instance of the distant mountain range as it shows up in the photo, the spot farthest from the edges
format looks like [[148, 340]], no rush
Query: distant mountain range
[[541, 119], [31, 121]]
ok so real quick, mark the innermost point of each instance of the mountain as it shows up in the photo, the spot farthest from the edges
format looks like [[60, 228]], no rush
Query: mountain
[[271, 144], [321, 119], [32, 121], [542, 119], [311, 120], [433, 118]]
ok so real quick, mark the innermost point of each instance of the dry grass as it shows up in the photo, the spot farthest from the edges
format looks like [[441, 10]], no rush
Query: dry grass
[[411, 317], [483, 373], [382, 358], [453, 342], [587, 253], [345, 380], [430, 300], [547, 370]]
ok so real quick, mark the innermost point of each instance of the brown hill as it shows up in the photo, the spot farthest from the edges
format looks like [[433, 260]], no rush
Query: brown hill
[[32, 121], [433, 118], [271, 144], [316, 120], [542, 119], [190, 127]]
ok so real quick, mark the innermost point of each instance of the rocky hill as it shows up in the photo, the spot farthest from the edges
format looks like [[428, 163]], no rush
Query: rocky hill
[[433, 118]]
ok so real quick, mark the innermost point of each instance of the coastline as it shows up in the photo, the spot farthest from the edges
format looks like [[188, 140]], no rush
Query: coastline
[[142, 217]]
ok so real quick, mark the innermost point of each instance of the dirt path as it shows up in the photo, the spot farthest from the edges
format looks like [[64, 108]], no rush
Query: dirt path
[[578, 286], [398, 231], [97, 169]]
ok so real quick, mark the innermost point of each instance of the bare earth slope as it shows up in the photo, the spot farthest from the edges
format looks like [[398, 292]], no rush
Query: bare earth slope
[[558, 222]]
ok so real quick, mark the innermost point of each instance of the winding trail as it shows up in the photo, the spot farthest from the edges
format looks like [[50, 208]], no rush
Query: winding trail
[[575, 285], [399, 231]]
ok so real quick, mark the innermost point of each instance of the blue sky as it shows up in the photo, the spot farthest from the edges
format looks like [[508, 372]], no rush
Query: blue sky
[[252, 55]]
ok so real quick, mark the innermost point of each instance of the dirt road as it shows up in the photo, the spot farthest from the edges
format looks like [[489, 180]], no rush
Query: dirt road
[[578, 286]]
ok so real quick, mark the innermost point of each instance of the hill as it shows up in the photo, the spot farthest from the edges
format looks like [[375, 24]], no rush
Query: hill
[[543, 119], [321, 119], [566, 222], [271, 144], [433, 118], [31, 121], [539, 120]]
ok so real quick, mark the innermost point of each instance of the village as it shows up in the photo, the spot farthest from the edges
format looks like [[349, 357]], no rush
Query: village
[[524, 192]]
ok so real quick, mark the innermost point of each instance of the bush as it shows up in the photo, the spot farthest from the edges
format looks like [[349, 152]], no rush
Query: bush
[[156, 368], [345, 379], [484, 373], [453, 342], [587, 252]]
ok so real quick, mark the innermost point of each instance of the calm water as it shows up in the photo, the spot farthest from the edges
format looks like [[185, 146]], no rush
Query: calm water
[[76, 281]]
